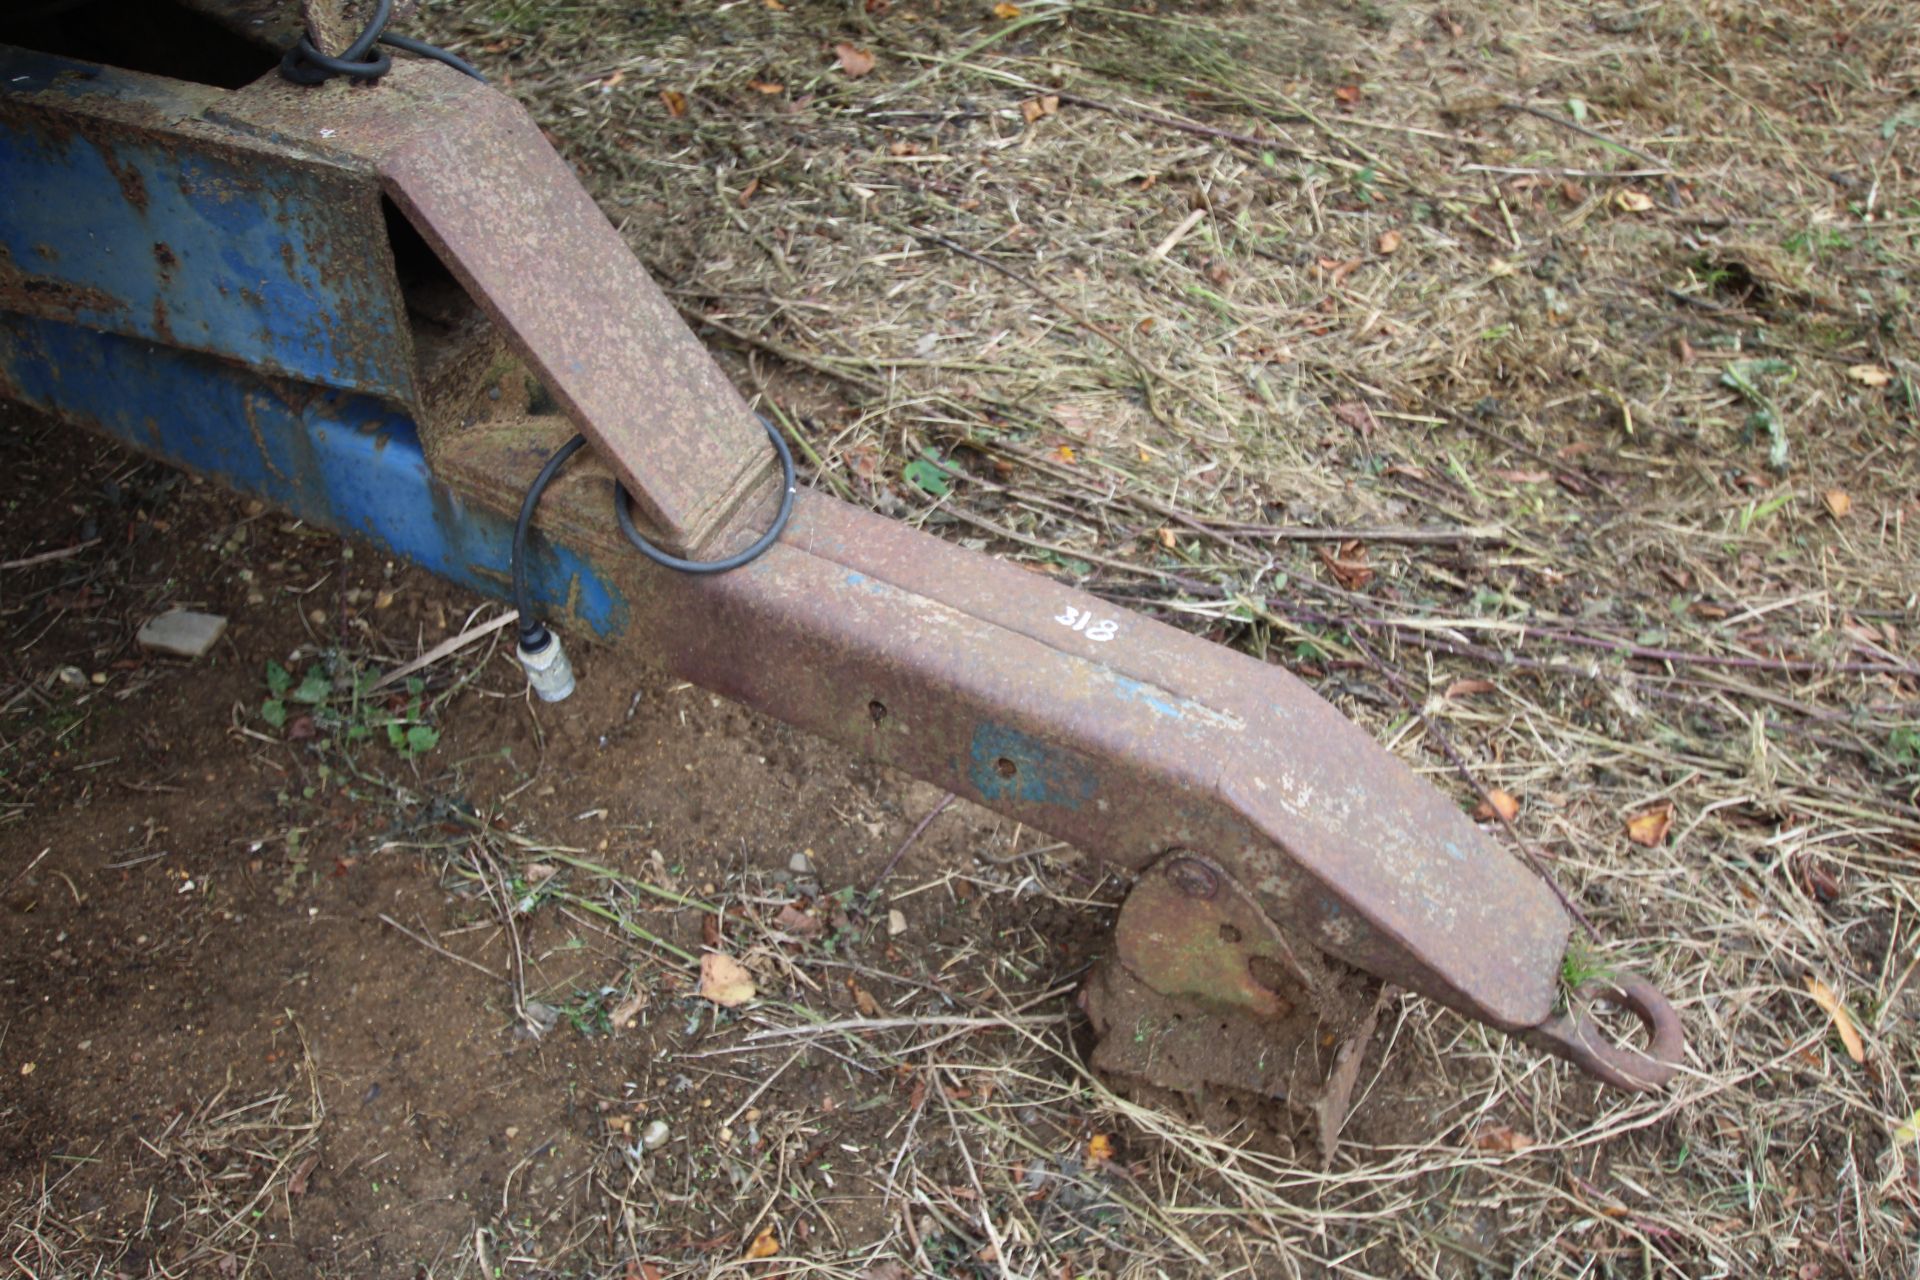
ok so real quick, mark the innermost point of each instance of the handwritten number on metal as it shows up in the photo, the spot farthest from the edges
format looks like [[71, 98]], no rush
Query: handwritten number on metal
[[1082, 621]]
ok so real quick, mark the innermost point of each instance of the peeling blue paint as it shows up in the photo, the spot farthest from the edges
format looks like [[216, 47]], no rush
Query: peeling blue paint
[[344, 461], [1005, 764], [1170, 705], [218, 244]]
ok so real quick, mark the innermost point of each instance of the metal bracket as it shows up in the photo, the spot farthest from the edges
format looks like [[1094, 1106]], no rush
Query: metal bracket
[[506, 215], [1189, 930]]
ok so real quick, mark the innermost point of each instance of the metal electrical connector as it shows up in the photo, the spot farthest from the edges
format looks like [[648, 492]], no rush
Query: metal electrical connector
[[546, 664]]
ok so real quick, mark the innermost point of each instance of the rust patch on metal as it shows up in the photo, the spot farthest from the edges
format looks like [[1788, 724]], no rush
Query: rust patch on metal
[[507, 216], [132, 185], [55, 299], [1188, 930]]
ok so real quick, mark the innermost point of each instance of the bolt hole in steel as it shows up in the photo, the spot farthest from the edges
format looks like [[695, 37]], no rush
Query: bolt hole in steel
[[1005, 767], [1192, 877], [877, 710]]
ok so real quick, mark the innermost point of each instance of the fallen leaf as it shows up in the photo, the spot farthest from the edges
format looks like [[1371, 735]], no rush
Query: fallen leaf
[[725, 981], [1839, 502], [1099, 1149], [1338, 271], [1497, 804], [1388, 243], [1006, 12], [1347, 94], [1634, 201], [1523, 477], [1842, 1022], [793, 920], [1064, 453], [775, 5], [856, 62], [1869, 375], [766, 86], [1355, 414], [1468, 688], [1499, 1137], [297, 1184], [1033, 108], [1348, 565], [1908, 1130], [538, 871], [764, 1245], [1649, 829], [676, 103], [627, 1012], [1167, 539], [891, 1269]]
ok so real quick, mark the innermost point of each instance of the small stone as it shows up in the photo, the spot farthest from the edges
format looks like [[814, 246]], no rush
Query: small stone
[[896, 922], [801, 864], [655, 1135], [72, 677], [182, 633]]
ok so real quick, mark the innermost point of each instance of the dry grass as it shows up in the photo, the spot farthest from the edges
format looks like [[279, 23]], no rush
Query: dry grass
[[217, 1182], [1452, 387], [1387, 336]]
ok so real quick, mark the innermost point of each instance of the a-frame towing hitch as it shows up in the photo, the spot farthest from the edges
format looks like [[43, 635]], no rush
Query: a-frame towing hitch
[[217, 278]]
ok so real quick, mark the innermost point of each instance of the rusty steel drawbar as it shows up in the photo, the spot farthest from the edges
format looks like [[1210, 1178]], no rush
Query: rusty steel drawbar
[[325, 295]]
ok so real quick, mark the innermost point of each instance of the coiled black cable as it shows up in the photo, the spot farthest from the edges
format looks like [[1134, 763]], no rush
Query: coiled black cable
[[363, 59], [533, 631], [787, 488]]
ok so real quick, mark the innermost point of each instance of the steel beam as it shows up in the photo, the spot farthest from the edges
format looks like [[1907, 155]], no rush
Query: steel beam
[[1126, 737]]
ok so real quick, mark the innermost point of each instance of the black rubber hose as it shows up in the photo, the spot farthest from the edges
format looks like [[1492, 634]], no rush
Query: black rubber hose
[[362, 60], [533, 631], [305, 64], [433, 51], [767, 539]]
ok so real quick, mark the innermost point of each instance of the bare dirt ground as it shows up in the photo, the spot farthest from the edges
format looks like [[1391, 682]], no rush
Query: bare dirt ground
[[1540, 381]]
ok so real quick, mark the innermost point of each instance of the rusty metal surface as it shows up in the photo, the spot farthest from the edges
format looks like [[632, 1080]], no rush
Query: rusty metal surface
[[1126, 740], [1577, 1037], [332, 25], [1123, 736], [1145, 1037], [150, 222], [508, 217], [1187, 929]]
